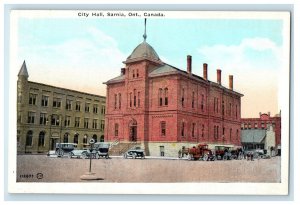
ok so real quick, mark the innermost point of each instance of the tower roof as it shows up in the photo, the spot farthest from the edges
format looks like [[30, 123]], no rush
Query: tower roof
[[143, 51], [23, 71]]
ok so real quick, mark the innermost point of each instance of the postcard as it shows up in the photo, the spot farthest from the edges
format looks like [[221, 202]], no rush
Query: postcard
[[149, 102]]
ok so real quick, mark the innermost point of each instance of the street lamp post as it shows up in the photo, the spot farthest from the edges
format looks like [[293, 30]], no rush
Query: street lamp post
[[50, 134], [90, 175]]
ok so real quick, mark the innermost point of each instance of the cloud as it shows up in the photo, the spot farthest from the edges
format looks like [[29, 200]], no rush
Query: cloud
[[78, 63], [255, 64]]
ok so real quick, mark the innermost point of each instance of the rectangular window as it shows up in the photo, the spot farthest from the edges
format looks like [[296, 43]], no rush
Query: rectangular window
[[32, 99], [87, 107], [193, 100], [116, 96], [202, 102], [182, 98], [120, 100], [134, 98], [116, 129], [182, 129], [217, 105], [223, 108], [56, 102], [102, 109], [160, 97], [68, 104], [166, 97], [193, 130], [236, 111], [77, 106], [67, 121], [86, 123], [230, 109], [130, 98], [31, 116], [102, 125], [139, 100], [43, 118], [45, 101], [263, 125], [249, 126], [95, 109], [95, 123], [230, 134], [77, 122], [223, 131], [214, 104], [55, 120], [163, 128], [162, 151]]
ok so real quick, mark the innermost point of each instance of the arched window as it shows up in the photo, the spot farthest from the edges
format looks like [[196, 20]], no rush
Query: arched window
[[95, 137], [75, 139], [29, 138], [166, 96], [116, 129], [160, 97], [41, 139], [102, 138], [66, 137], [84, 140], [182, 128]]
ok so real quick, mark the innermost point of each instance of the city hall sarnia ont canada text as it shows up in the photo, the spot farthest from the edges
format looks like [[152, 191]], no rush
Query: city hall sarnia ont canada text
[[162, 108]]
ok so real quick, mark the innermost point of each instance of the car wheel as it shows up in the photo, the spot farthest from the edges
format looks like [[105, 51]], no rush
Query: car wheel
[[189, 157], [205, 157], [107, 156], [125, 156], [70, 155], [84, 155], [134, 156]]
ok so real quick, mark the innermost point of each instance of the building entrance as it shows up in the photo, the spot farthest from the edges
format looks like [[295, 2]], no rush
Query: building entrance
[[53, 143], [133, 131]]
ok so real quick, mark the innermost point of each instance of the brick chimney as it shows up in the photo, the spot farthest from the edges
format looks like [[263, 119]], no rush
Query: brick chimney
[[122, 71], [219, 76], [205, 71], [189, 64], [231, 82]]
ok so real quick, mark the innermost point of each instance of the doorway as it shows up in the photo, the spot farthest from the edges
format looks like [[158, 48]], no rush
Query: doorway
[[133, 131]]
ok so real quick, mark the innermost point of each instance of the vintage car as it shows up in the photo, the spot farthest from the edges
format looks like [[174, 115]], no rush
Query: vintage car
[[100, 149], [134, 153], [256, 154], [64, 148]]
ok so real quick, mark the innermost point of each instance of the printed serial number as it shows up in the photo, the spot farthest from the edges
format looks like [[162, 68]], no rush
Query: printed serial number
[[27, 176]]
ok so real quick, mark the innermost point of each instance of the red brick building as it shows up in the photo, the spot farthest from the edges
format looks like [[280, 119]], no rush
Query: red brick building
[[164, 108], [263, 122]]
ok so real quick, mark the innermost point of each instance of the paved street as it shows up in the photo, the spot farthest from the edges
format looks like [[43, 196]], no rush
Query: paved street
[[40, 168]]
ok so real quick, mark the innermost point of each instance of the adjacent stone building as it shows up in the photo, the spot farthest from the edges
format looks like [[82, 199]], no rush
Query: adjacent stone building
[[47, 115], [163, 108], [263, 122]]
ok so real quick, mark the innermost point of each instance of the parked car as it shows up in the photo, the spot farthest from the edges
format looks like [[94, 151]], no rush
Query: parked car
[[64, 148], [134, 153], [100, 149]]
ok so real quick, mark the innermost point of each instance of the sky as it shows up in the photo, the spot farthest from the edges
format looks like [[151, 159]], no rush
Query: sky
[[82, 53]]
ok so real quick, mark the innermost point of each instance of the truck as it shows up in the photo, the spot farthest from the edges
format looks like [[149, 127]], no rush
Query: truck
[[200, 152]]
